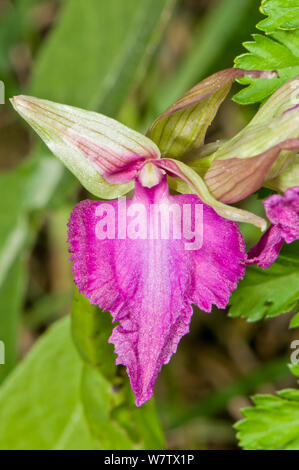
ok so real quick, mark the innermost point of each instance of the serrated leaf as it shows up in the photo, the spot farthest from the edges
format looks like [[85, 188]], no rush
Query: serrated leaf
[[289, 394], [272, 423], [278, 50], [271, 426], [268, 292], [282, 14], [294, 323], [40, 405]]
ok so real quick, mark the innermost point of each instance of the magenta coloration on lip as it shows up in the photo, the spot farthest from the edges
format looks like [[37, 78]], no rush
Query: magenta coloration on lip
[[149, 285], [283, 213]]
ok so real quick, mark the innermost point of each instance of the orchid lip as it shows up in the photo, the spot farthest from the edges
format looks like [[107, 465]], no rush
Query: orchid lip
[[149, 284]]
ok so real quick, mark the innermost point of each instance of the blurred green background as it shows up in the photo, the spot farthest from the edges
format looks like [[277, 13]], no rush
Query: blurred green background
[[128, 59]]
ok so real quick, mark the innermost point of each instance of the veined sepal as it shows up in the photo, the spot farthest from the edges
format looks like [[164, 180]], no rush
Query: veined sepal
[[102, 153], [182, 127], [259, 152]]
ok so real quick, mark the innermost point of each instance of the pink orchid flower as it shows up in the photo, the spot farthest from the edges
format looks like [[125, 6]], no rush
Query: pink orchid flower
[[283, 213], [149, 282]]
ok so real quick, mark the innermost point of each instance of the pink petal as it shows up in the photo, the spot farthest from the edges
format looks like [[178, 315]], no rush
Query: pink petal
[[283, 212], [148, 285], [265, 252]]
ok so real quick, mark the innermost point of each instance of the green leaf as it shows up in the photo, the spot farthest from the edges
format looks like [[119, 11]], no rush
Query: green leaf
[[28, 187], [282, 14], [41, 400], [113, 419], [40, 175], [273, 423], [277, 50], [91, 329], [40, 404], [294, 323], [15, 22], [11, 295], [214, 31], [13, 235], [23, 190], [294, 369], [13, 230], [81, 65], [268, 292]]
